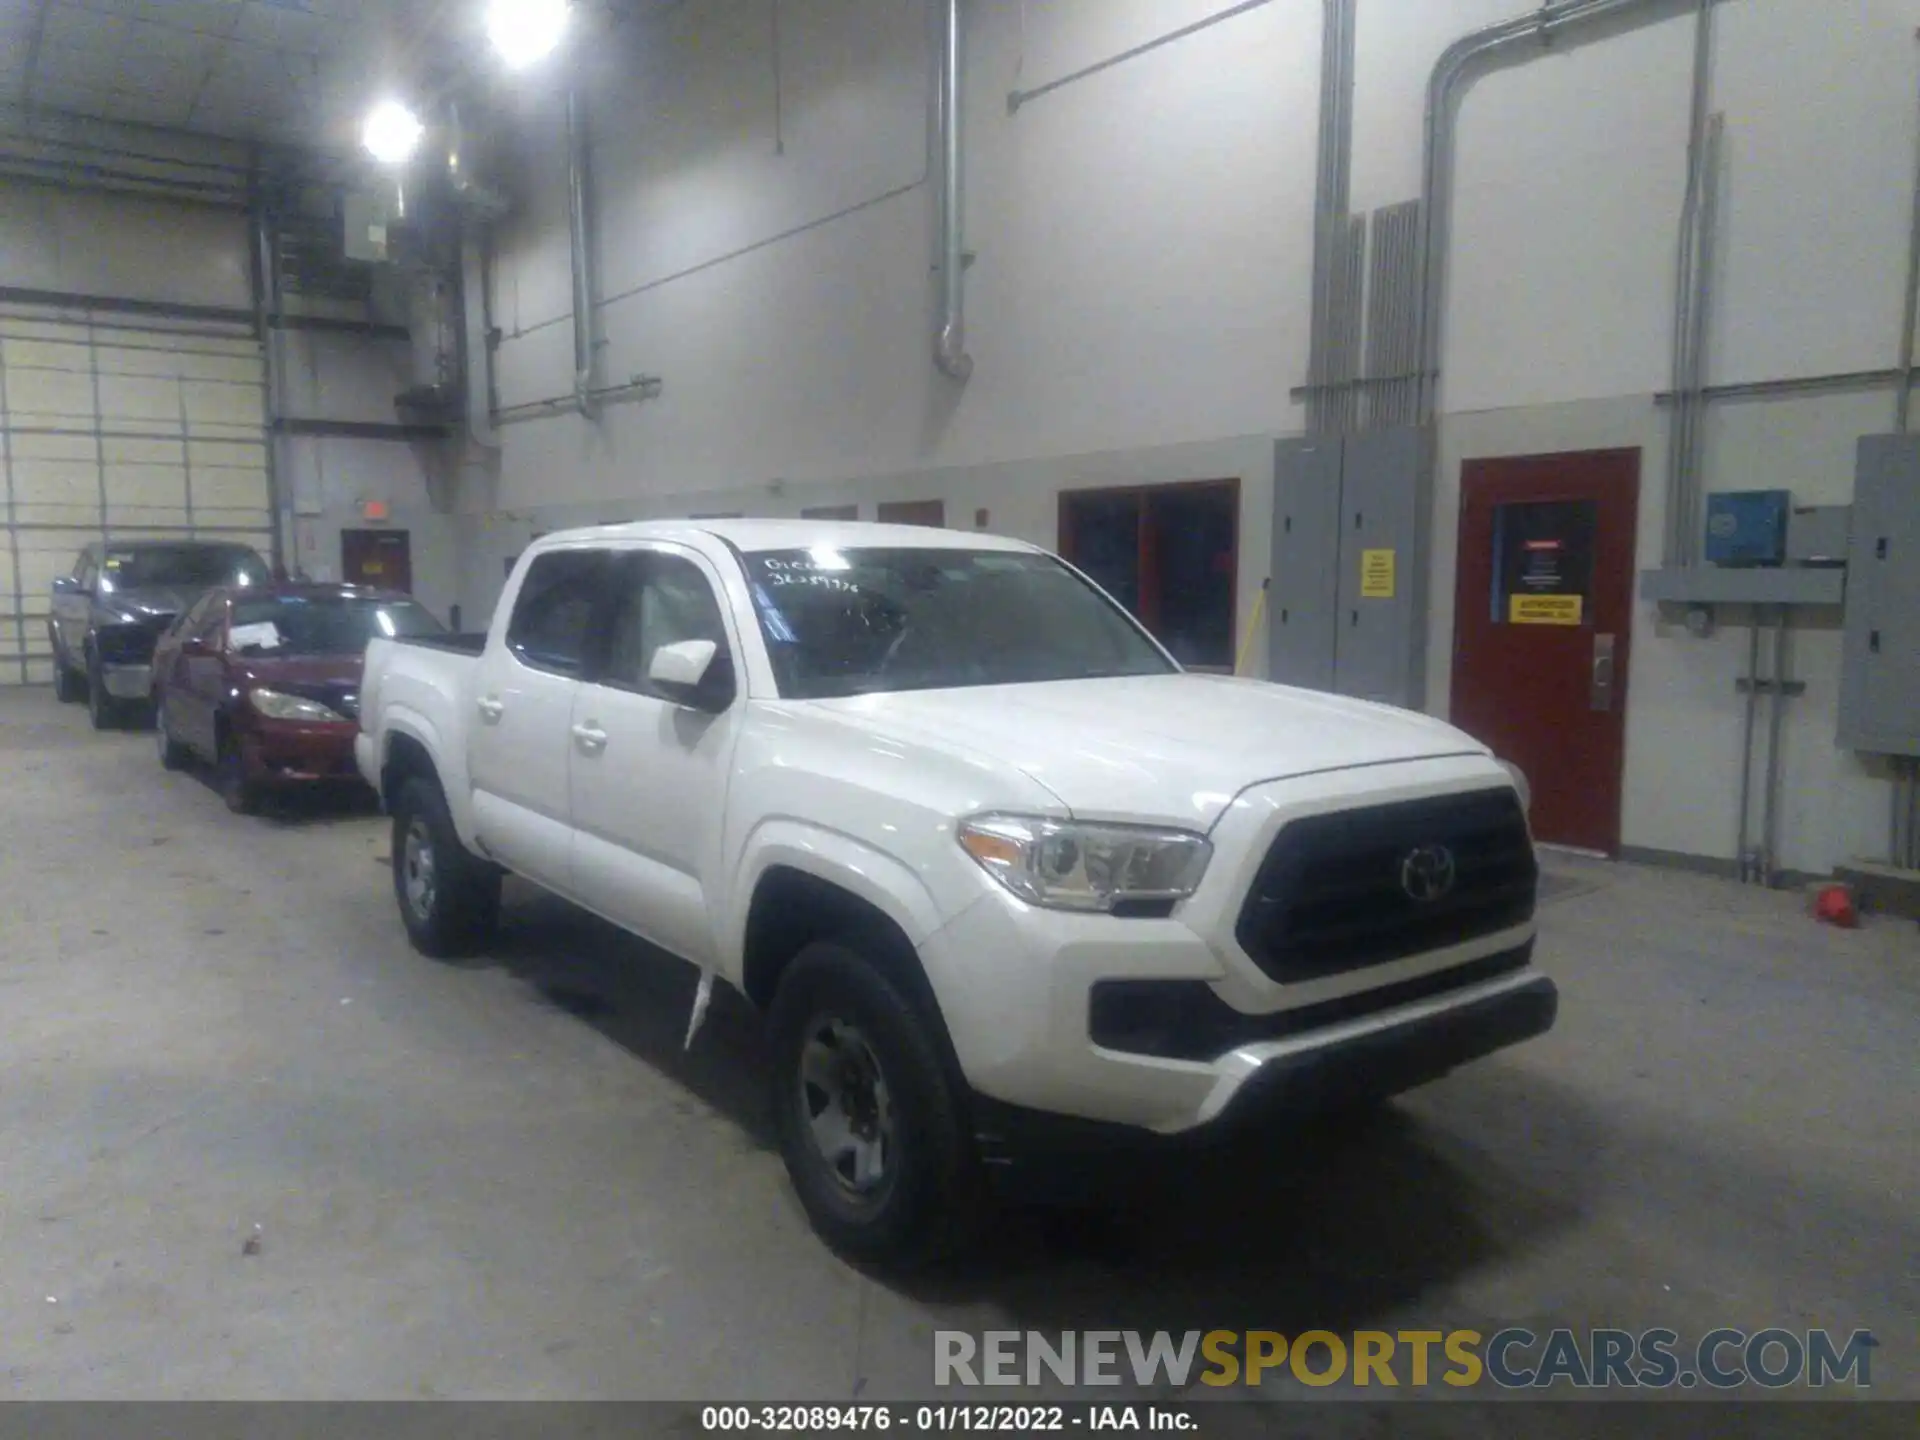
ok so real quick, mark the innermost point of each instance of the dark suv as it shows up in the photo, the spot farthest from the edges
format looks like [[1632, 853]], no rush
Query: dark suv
[[109, 613]]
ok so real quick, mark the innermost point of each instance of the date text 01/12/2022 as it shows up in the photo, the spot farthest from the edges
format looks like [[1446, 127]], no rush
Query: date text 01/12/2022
[[943, 1419]]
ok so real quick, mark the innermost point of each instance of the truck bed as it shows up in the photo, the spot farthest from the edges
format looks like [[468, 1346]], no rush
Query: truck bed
[[468, 642]]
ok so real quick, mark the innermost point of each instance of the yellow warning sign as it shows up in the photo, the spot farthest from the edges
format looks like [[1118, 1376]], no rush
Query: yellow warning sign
[[1545, 609], [1376, 574]]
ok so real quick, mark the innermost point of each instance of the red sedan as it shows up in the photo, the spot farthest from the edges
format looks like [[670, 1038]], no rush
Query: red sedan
[[264, 681]]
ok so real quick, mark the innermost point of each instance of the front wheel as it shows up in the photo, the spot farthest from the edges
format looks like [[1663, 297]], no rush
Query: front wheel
[[240, 792], [69, 686], [449, 897], [870, 1121], [102, 709], [173, 755]]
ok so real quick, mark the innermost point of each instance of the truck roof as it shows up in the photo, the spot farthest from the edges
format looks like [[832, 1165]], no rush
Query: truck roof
[[796, 534]]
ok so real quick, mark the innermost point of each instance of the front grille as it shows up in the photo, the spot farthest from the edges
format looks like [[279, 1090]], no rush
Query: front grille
[[131, 643], [1332, 894]]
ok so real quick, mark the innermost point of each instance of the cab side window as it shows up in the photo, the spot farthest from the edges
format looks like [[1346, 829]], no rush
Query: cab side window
[[659, 599], [552, 627]]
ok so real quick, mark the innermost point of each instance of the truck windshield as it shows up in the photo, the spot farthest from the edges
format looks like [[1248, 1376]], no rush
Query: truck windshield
[[180, 566], [323, 625], [857, 621]]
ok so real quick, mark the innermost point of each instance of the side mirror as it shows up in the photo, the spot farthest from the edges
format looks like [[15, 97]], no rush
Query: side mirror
[[691, 673], [68, 585]]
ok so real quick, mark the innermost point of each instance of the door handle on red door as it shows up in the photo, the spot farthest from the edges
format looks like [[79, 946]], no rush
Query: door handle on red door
[[1601, 692], [490, 709], [591, 738]]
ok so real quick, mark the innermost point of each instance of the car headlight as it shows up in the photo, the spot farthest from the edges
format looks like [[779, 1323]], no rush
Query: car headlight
[[1519, 778], [278, 705], [1068, 866]]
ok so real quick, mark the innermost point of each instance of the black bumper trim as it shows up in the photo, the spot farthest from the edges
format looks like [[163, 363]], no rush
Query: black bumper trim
[[1025, 1148]]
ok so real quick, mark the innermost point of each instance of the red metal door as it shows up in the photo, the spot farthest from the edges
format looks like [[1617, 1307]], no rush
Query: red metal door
[[382, 559], [1544, 611]]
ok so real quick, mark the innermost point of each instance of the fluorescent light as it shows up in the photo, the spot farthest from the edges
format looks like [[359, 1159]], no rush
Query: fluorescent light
[[525, 31], [392, 133]]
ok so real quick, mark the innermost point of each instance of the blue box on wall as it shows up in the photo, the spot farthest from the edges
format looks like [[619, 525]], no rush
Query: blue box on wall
[[1748, 527]]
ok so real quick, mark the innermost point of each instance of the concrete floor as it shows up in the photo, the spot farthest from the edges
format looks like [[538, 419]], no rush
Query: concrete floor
[[507, 1179]]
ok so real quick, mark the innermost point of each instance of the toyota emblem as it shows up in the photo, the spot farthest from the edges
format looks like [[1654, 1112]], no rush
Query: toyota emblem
[[1427, 873]]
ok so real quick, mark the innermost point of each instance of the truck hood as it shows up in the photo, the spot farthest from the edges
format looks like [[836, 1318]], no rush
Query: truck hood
[[150, 602], [1169, 749]]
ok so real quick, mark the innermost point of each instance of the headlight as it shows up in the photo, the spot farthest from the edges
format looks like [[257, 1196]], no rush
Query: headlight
[[1068, 866], [1519, 778], [277, 705]]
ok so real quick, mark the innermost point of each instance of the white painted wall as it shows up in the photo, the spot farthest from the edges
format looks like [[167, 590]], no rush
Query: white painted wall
[[1138, 307]]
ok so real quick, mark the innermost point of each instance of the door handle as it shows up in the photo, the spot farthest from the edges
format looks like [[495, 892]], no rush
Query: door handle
[[1600, 694], [590, 738], [490, 709]]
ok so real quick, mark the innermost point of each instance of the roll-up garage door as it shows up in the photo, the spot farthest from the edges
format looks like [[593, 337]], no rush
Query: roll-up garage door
[[118, 427]]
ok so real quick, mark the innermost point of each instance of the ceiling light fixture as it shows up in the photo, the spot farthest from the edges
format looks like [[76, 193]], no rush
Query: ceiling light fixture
[[392, 133], [526, 31]]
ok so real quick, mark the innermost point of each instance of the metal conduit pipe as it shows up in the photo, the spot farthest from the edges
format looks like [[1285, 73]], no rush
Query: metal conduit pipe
[[1777, 703], [1332, 196], [1903, 404], [950, 345], [1745, 852], [578, 254], [1455, 64], [1687, 299]]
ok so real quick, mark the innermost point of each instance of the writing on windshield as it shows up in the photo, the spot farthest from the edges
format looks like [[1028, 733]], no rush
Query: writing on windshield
[[856, 621]]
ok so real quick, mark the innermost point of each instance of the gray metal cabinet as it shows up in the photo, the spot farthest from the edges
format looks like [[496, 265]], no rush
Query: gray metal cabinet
[[1880, 671]]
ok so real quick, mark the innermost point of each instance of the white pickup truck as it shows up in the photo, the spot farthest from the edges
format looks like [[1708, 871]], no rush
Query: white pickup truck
[[1010, 883]]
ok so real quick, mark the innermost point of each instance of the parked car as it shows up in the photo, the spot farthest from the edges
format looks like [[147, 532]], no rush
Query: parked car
[[110, 611], [263, 680], [1007, 881]]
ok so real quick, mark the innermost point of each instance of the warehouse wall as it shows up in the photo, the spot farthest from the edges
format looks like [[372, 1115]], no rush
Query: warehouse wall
[[1138, 305], [129, 248]]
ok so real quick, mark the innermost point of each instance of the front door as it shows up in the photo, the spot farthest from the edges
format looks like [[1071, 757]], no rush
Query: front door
[[1544, 611], [650, 776], [380, 559]]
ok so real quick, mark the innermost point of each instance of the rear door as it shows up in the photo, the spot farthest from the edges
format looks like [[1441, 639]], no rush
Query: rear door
[[649, 776], [518, 740]]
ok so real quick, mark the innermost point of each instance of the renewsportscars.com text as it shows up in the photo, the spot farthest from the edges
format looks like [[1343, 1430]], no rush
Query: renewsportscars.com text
[[1513, 1359]]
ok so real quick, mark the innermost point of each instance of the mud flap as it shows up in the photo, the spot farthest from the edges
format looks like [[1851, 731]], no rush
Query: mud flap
[[701, 997]]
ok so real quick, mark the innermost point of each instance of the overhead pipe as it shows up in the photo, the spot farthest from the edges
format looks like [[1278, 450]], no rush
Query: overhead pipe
[[950, 346], [583, 396], [1537, 27]]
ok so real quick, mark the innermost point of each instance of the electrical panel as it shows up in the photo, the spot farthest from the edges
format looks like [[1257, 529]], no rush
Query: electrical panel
[[1819, 534], [1305, 590], [1349, 593], [1747, 527], [1880, 667]]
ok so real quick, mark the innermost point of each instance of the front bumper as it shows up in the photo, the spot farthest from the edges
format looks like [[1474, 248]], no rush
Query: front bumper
[[127, 682], [285, 752], [1266, 1085]]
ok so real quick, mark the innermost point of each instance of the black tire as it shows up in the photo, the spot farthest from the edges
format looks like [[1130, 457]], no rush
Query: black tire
[[452, 905], [173, 755], [102, 709], [69, 686], [241, 794], [833, 1000]]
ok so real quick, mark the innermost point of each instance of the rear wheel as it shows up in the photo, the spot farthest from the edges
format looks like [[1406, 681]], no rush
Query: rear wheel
[[870, 1121], [449, 897]]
